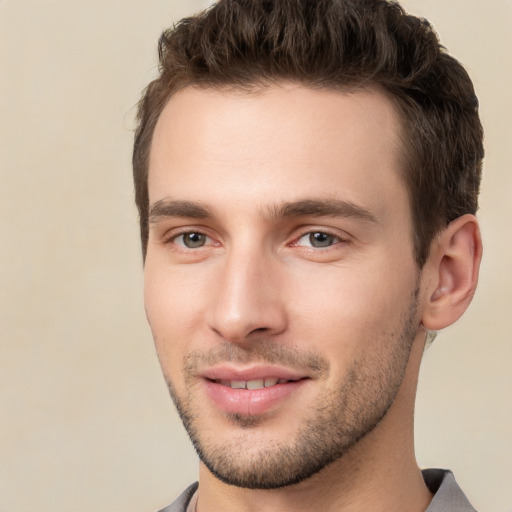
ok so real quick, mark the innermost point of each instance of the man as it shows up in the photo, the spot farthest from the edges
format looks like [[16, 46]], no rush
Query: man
[[307, 177]]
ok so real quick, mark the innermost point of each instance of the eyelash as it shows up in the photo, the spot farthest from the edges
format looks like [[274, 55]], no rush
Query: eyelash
[[175, 236], [337, 239]]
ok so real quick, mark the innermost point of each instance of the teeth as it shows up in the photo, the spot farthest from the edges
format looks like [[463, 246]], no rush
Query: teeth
[[271, 381], [253, 384]]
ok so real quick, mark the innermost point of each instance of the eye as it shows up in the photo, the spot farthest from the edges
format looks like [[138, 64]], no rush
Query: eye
[[317, 239], [192, 240]]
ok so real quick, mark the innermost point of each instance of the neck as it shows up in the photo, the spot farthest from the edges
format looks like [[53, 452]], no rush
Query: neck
[[379, 474]]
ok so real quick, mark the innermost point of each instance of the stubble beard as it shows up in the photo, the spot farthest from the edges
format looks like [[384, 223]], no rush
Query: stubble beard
[[341, 417]]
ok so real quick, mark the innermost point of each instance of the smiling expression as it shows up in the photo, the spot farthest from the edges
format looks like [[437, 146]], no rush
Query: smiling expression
[[280, 282]]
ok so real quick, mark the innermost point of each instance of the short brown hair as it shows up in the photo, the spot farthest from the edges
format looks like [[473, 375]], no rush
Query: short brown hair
[[334, 44]]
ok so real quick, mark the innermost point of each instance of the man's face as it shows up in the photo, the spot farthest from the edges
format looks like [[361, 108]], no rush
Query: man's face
[[280, 283]]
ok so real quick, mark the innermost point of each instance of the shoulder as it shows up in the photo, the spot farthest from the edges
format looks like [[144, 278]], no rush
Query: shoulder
[[448, 496], [182, 501]]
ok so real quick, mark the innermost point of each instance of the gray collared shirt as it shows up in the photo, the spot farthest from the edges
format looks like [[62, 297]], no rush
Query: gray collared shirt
[[448, 496]]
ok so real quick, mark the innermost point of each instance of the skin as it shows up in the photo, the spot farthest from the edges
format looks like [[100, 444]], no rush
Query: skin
[[234, 282]]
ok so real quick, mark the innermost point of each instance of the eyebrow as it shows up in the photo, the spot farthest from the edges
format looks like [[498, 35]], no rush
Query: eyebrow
[[172, 208], [323, 208], [165, 208]]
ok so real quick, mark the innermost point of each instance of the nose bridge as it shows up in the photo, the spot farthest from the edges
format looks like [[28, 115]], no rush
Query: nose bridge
[[247, 298]]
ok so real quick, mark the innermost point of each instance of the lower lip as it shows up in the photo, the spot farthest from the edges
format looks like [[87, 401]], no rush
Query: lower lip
[[251, 402]]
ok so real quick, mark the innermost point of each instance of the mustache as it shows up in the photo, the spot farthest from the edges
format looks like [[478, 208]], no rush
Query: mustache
[[261, 352]]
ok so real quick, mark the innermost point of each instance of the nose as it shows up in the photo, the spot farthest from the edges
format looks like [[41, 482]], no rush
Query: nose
[[247, 297]]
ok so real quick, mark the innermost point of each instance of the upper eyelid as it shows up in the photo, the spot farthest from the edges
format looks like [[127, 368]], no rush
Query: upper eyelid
[[294, 236], [171, 242], [342, 235], [170, 236], [174, 232], [337, 240], [208, 239]]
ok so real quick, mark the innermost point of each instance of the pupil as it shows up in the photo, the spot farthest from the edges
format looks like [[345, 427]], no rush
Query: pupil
[[321, 239], [192, 240]]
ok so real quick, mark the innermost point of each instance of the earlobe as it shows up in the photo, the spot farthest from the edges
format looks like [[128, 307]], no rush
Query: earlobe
[[452, 268]]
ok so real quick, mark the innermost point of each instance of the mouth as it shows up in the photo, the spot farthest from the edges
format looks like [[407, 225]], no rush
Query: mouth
[[252, 391], [254, 384]]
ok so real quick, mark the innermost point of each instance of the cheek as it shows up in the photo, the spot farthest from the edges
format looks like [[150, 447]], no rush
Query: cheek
[[347, 312], [173, 306]]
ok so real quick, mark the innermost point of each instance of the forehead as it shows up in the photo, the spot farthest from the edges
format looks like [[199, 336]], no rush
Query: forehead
[[282, 142]]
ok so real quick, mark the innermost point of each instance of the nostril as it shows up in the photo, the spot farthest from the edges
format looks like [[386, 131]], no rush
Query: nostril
[[259, 330]]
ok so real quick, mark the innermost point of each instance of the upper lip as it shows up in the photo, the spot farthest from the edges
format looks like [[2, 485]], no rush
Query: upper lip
[[228, 372]]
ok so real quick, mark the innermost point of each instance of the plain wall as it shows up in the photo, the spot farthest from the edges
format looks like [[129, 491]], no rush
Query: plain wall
[[86, 423]]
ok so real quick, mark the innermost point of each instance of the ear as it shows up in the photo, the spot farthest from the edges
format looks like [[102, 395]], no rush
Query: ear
[[451, 272]]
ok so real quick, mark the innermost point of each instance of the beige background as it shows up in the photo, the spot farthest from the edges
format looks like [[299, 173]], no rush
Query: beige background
[[85, 420]]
